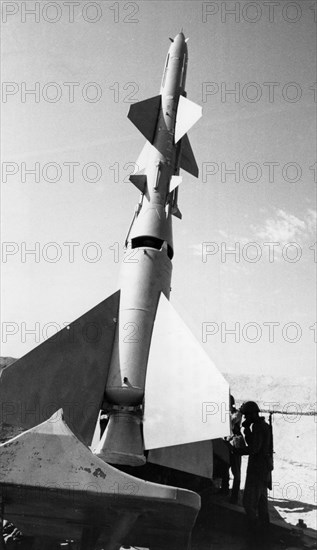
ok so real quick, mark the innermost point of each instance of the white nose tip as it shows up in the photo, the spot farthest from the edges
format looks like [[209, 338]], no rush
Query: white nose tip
[[179, 36]]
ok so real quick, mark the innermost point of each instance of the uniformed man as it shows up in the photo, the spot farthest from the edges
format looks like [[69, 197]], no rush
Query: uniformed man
[[257, 434]]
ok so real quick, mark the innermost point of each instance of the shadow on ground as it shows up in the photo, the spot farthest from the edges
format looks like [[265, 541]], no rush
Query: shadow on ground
[[222, 526]]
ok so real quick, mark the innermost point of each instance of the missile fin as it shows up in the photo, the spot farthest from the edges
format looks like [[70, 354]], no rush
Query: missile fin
[[176, 212], [188, 113], [188, 161], [175, 182], [69, 371], [182, 386], [139, 181], [142, 158], [144, 116]]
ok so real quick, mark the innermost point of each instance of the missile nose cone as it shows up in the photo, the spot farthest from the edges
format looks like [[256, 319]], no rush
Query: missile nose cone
[[180, 37], [179, 46]]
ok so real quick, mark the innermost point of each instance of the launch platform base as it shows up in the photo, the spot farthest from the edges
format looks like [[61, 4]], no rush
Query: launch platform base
[[52, 485]]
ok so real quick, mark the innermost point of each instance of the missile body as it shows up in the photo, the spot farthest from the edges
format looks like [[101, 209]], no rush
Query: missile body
[[147, 266]]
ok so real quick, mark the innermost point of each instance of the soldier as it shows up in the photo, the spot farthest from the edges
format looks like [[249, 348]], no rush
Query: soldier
[[234, 459], [258, 436], [236, 442]]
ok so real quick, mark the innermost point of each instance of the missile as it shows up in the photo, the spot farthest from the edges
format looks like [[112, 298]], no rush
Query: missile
[[163, 120], [145, 368]]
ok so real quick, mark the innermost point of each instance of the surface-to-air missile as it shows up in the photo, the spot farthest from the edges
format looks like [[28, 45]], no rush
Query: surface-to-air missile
[[146, 272], [131, 356]]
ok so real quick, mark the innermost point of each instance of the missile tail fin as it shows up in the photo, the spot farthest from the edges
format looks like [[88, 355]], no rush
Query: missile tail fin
[[176, 212], [69, 371], [188, 113], [142, 160], [183, 387], [188, 161], [175, 182], [139, 181], [144, 116]]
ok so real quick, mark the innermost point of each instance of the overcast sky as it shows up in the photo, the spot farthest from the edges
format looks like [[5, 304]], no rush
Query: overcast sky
[[252, 68]]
